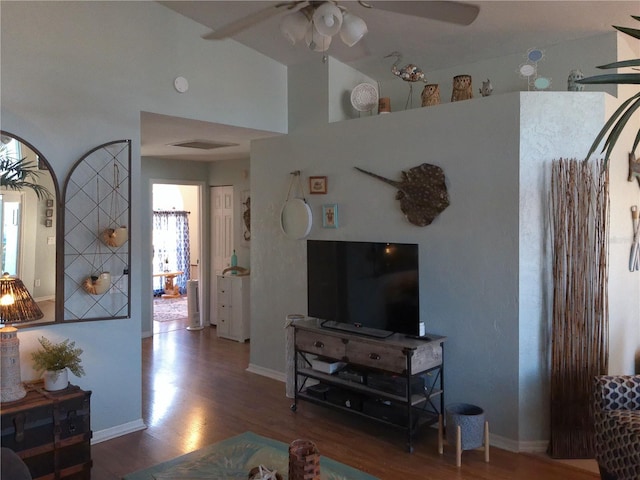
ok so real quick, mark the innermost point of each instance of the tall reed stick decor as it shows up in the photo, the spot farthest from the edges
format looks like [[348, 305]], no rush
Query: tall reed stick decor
[[580, 234]]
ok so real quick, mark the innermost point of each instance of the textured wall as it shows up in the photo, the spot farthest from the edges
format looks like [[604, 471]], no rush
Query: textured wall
[[483, 276], [468, 255]]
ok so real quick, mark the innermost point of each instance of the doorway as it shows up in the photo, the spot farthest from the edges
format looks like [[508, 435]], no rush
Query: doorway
[[176, 250]]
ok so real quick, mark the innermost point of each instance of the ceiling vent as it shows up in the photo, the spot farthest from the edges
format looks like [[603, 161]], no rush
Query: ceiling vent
[[203, 144]]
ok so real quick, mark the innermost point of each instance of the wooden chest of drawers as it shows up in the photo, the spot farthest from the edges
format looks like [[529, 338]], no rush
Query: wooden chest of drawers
[[51, 432], [233, 307]]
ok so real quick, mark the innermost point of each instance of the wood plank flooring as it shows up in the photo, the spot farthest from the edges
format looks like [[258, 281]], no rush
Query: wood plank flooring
[[196, 391]]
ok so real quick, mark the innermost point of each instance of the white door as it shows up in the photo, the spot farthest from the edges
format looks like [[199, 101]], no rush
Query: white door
[[221, 239]]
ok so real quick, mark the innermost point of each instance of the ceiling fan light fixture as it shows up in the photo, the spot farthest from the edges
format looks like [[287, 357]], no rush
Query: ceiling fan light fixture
[[327, 19], [353, 29], [294, 27], [315, 41]]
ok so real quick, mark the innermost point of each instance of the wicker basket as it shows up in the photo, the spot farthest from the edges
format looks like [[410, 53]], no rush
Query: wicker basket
[[304, 461]]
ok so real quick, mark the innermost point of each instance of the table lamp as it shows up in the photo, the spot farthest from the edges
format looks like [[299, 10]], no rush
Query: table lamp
[[16, 306]]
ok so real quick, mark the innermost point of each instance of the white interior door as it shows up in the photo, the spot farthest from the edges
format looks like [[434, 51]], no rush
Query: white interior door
[[221, 239]]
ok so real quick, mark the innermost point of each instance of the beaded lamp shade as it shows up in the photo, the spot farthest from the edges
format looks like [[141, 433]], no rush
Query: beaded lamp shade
[[16, 306]]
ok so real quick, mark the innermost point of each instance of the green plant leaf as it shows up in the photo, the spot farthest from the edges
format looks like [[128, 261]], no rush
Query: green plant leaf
[[609, 123], [633, 32], [636, 142], [616, 78], [18, 174], [619, 126], [625, 63]]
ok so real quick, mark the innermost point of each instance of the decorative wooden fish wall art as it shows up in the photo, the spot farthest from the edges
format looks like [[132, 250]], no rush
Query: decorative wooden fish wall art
[[422, 193]]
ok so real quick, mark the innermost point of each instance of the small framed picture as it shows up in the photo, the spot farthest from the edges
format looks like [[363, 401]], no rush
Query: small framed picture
[[49, 212], [330, 215], [318, 185], [50, 203], [48, 222]]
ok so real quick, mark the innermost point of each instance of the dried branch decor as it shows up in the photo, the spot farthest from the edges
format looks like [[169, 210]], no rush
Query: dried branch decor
[[580, 232]]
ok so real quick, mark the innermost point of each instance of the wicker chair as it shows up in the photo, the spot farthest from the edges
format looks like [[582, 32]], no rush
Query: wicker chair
[[617, 426]]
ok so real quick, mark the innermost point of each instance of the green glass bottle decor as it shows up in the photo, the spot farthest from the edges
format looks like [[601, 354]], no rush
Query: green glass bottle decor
[[234, 262]]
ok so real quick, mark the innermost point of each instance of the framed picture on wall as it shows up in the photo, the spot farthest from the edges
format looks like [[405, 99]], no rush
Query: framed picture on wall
[[330, 215], [318, 185], [49, 212], [50, 203], [48, 222]]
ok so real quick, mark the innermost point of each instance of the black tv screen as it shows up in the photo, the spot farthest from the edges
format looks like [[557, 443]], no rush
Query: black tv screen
[[364, 287]]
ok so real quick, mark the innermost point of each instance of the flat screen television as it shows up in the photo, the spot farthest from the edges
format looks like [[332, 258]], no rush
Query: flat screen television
[[364, 287]]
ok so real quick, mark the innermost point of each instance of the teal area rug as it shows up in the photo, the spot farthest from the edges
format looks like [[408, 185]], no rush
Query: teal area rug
[[232, 459]]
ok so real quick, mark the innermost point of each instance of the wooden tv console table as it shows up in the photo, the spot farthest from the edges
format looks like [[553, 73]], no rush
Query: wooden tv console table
[[397, 381]]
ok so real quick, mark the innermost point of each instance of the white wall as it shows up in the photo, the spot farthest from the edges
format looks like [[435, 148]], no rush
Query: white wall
[[481, 261], [343, 79], [503, 72], [191, 202], [553, 125], [77, 74], [468, 255]]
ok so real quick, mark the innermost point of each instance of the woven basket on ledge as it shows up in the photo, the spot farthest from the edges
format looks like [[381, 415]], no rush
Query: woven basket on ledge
[[304, 461]]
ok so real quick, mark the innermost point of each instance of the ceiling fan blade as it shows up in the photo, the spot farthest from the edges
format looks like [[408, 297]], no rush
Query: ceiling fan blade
[[254, 18], [444, 11]]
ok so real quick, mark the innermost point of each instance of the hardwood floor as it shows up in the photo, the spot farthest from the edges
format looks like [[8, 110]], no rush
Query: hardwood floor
[[196, 391]]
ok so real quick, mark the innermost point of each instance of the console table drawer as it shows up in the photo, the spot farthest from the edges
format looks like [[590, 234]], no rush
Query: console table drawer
[[324, 345], [428, 357], [392, 359]]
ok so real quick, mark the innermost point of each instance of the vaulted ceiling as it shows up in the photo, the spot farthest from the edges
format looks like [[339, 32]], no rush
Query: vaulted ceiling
[[501, 28]]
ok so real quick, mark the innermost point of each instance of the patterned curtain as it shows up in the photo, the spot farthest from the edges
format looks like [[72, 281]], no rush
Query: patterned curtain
[[171, 250]]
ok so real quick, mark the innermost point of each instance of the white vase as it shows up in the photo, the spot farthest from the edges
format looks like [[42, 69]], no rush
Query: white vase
[[56, 380]]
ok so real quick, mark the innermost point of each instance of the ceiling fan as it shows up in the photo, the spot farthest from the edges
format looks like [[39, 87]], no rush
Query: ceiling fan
[[318, 21]]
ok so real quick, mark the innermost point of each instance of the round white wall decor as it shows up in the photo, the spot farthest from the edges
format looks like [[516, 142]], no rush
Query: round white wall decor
[[181, 84]]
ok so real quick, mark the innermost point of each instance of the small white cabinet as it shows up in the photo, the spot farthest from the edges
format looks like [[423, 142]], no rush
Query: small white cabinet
[[233, 307]]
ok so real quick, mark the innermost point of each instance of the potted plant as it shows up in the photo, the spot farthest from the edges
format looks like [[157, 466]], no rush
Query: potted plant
[[17, 173], [55, 359], [619, 119]]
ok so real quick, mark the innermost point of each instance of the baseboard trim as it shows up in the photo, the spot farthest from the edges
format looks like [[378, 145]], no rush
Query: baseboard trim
[[117, 431], [534, 446], [267, 372]]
